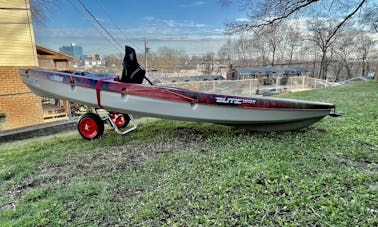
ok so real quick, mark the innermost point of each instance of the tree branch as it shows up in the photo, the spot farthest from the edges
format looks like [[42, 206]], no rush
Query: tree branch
[[240, 27], [337, 28], [285, 15]]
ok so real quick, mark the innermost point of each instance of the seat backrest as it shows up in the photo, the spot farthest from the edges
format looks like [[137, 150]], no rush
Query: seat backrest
[[132, 72]]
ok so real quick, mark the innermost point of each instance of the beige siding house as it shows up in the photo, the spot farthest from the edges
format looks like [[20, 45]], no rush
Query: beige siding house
[[18, 106], [17, 36]]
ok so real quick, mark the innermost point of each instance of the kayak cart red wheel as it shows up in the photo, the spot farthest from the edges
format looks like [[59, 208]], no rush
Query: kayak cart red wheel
[[120, 120], [90, 126]]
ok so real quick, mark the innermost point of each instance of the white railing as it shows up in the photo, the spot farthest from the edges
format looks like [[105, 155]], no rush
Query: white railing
[[251, 86]]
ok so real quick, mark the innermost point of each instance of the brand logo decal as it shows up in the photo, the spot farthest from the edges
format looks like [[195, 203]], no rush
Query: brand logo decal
[[56, 78], [234, 100]]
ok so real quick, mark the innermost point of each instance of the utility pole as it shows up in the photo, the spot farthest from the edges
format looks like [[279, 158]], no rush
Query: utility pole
[[145, 54]]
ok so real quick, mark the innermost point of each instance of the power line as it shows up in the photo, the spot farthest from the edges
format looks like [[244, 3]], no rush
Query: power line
[[114, 24], [99, 23], [101, 32]]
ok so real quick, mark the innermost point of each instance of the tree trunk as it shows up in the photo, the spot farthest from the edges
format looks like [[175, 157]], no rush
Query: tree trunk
[[273, 56], [323, 66], [376, 74]]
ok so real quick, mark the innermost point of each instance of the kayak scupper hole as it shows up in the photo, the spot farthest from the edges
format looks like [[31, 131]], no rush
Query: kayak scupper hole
[[124, 97], [73, 88], [194, 106]]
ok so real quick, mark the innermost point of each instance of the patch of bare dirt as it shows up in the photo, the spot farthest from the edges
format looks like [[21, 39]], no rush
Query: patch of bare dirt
[[106, 161]]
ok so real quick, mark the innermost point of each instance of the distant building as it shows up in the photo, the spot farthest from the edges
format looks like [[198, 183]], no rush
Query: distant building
[[240, 73], [91, 61], [72, 50], [191, 78]]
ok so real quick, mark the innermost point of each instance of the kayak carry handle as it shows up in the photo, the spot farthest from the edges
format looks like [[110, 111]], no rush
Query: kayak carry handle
[[334, 114]]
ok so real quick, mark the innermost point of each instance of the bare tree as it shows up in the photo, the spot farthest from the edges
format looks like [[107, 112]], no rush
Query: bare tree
[[341, 12], [260, 47], [370, 17], [243, 48], [364, 46], [114, 60], [346, 52], [292, 41], [224, 54], [338, 14], [273, 36], [269, 12], [40, 10], [240, 49], [167, 59], [208, 60], [324, 37]]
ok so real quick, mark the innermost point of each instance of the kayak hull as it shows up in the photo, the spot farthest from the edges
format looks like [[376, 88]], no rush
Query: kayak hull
[[260, 113]]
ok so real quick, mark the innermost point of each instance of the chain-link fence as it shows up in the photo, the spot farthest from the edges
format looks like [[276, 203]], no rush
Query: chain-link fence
[[260, 86]]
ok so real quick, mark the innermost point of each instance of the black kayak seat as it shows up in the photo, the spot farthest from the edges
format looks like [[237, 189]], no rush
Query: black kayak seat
[[132, 72]]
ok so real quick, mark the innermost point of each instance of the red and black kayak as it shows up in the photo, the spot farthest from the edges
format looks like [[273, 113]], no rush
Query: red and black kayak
[[105, 91], [127, 95]]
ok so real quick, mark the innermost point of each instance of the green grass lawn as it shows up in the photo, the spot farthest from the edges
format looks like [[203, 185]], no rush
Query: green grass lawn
[[182, 173]]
